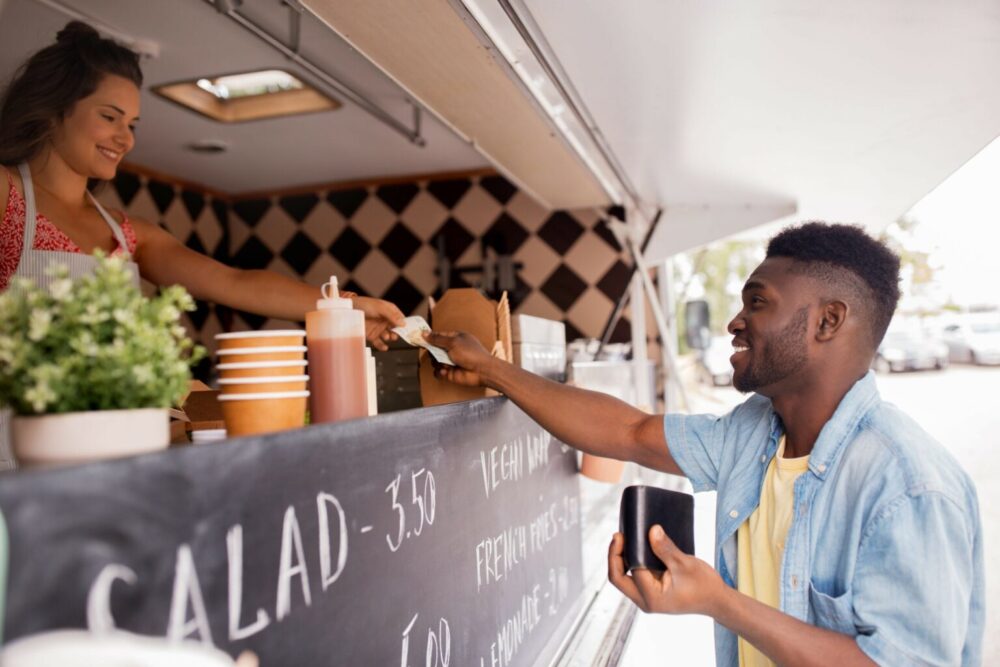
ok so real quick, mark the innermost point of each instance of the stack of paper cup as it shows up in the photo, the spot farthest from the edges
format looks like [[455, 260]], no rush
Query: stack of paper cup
[[263, 380]]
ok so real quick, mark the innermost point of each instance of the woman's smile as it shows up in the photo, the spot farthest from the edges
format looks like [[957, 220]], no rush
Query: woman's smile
[[112, 155]]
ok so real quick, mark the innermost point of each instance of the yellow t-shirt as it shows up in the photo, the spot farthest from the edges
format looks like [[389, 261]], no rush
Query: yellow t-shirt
[[761, 542]]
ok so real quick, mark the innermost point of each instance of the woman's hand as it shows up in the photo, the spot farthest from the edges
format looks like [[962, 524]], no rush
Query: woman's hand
[[380, 317], [689, 586]]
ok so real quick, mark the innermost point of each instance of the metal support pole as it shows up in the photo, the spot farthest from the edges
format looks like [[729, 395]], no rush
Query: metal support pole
[[294, 25], [665, 273], [621, 232], [640, 352], [661, 324]]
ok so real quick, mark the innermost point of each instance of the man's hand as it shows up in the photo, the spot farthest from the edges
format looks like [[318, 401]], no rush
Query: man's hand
[[470, 357], [689, 586], [380, 317]]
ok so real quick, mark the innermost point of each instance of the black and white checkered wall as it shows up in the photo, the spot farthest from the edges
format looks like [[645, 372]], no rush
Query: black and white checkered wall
[[382, 241]]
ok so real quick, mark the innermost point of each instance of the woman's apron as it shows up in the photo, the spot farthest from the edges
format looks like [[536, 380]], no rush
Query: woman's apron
[[33, 265]]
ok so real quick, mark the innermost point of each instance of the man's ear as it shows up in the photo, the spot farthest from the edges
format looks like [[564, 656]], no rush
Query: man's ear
[[833, 315]]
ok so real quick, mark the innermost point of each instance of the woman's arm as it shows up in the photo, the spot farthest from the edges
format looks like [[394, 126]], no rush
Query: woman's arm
[[164, 260]]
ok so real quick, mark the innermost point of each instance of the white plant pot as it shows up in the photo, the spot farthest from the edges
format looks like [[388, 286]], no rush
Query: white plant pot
[[116, 648], [80, 437]]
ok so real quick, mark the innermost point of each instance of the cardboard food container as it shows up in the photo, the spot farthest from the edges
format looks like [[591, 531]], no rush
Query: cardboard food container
[[199, 411], [273, 353], [250, 369], [276, 338], [252, 414], [264, 385], [467, 310]]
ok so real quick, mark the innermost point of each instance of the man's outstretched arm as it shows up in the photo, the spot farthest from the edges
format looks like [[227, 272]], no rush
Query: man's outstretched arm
[[587, 420]]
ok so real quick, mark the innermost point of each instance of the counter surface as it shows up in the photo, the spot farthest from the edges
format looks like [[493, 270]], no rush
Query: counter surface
[[439, 536]]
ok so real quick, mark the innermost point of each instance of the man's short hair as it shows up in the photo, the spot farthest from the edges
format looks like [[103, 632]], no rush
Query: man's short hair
[[848, 260]]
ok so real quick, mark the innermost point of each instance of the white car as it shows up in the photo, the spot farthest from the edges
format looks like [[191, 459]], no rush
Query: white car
[[974, 342], [910, 351]]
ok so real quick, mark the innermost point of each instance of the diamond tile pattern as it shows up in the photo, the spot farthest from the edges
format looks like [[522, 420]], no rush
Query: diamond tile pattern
[[615, 281], [454, 238], [350, 248], [253, 255], [162, 194], [251, 211], [127, 185], [449, 192], [300, 253], [347, 201], [563, 287], [561, 231], [194, 202], [404, 294], [498, 186], [381, 240], [506, 235], [299, 206], [399, 245], [398, 196]]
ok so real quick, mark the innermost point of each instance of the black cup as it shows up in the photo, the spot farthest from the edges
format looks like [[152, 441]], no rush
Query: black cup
[[646, 506]]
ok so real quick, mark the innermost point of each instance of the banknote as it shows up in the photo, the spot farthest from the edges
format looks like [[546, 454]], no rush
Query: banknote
[[413, 333]]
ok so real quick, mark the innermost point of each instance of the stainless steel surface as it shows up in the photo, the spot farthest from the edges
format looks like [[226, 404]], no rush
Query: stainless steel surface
[[539, 346], [617, 378], [531, 329]]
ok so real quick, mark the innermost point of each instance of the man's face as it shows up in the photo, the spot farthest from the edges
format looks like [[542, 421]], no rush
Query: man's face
[[771, 332]]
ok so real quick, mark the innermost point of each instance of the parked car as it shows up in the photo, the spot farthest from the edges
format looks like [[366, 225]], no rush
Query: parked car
[[714, 360], [910, 351], [975, 342]]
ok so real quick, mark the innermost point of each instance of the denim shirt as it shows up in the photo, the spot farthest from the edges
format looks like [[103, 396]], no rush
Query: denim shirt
[[885, 543]]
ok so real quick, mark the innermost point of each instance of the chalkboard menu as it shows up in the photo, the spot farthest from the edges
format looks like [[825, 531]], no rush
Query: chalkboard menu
[[435, 537]]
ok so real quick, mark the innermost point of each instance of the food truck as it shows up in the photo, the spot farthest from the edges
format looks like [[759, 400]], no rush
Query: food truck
[[553, 155]]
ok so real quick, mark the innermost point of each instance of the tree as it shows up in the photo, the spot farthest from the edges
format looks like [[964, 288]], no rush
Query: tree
[[715, 273]]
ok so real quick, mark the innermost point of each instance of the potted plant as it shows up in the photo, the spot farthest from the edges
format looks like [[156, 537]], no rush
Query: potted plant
[[90, 366]]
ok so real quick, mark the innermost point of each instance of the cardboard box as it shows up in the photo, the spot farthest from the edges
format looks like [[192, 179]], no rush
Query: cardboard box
[[466, 310], [200, 410]]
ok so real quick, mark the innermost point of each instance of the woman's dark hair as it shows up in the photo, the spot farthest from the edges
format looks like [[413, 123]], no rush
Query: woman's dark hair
[[50, 82]]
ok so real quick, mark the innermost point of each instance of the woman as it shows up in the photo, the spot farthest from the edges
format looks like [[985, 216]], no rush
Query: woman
[[66, 121]]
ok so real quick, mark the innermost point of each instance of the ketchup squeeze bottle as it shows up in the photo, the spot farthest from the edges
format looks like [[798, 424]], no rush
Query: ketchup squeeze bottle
[[335, 337]]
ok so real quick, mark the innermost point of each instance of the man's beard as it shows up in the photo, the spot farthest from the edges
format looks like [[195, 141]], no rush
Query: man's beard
[[780, 356]]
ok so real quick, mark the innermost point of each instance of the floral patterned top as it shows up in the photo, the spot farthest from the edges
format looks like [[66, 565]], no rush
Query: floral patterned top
[[47, 235]]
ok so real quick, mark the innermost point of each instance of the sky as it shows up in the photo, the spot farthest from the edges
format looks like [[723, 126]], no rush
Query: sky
[[960, 222]]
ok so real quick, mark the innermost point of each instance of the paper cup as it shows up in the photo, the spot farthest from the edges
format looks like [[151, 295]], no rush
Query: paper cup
[[273, 353], [249, 369], [277, 338], [263, 385], [250, 414]]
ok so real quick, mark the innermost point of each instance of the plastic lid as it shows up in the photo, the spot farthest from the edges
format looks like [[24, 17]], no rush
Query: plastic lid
[[331, 297]]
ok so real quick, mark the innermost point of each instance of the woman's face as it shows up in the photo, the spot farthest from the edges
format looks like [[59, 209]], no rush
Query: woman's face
[[99, 130]]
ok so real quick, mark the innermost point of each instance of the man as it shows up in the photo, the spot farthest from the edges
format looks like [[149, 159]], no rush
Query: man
[[845, 534]]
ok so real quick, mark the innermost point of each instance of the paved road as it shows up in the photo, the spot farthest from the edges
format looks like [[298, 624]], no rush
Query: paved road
[[959, 406]]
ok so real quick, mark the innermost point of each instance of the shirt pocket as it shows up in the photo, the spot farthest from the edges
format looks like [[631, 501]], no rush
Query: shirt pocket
[[833, 613]]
